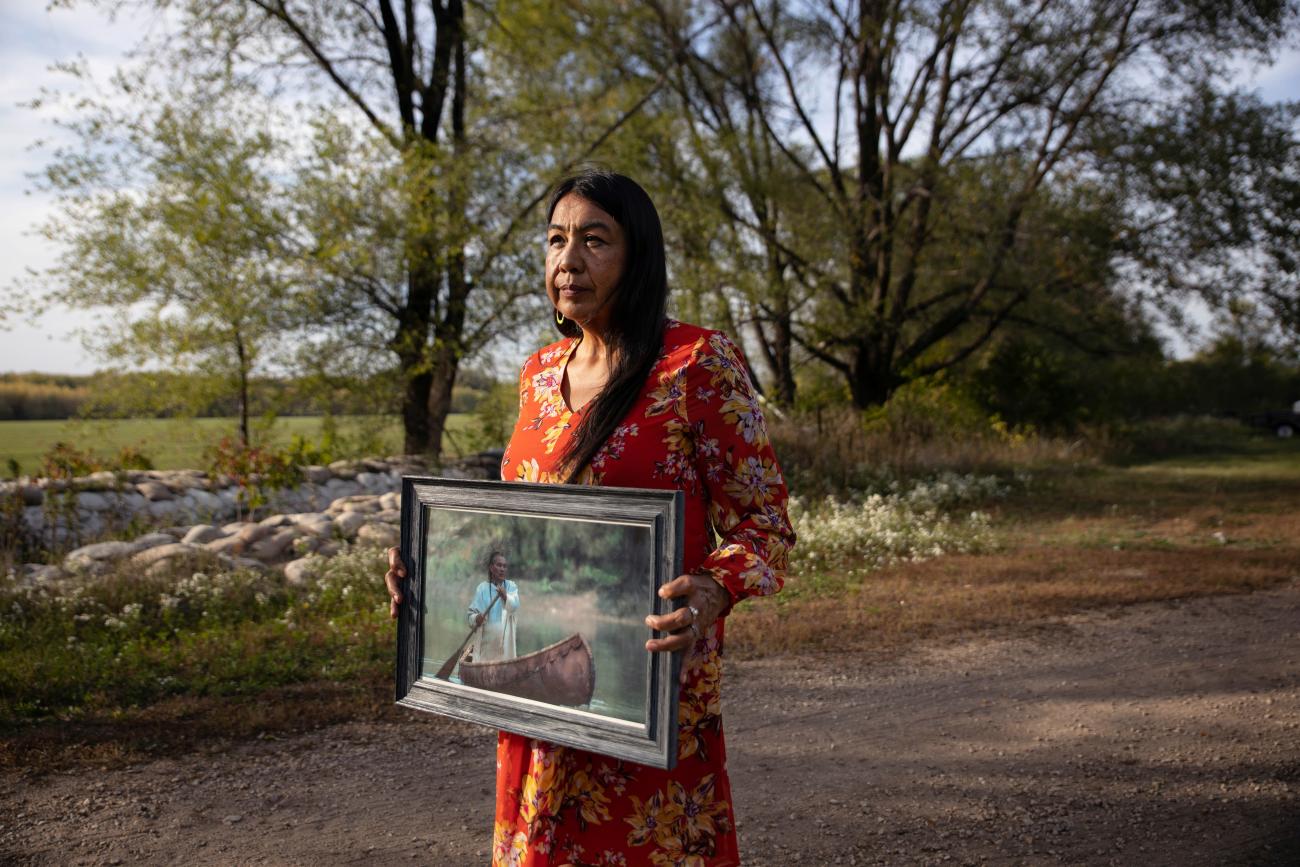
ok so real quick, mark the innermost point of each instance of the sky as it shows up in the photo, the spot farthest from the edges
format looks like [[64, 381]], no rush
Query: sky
[[31, 39]]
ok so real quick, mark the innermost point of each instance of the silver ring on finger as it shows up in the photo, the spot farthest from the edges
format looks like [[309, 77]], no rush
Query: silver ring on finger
[[695, 613]]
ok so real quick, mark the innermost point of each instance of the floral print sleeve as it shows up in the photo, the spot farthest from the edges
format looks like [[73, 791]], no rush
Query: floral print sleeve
[[734, 461]]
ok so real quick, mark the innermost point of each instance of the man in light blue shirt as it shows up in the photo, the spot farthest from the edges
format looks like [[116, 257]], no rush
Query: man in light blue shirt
[[495, 604]]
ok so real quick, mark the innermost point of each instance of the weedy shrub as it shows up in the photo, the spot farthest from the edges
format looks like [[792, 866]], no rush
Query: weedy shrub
[[1152, 439], [124, 640], [18, 542], [841, 540], [844, 452], [333, 444], [65, 463], [255, 470]]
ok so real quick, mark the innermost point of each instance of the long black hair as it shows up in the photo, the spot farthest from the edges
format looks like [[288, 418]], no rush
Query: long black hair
[[636, 322]]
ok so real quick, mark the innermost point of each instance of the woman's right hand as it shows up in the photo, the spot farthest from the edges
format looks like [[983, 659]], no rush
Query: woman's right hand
[[393, 578]]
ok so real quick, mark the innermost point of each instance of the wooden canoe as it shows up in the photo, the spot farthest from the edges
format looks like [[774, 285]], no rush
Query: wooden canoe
[[560, 673]]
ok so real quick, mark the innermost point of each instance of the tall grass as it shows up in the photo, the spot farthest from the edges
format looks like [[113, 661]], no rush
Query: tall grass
[[840, 451]]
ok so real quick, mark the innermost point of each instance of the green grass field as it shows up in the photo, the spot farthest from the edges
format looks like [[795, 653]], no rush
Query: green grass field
[[179, 443]]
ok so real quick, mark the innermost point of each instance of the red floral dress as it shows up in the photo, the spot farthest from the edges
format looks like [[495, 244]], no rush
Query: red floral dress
[[696, 428]]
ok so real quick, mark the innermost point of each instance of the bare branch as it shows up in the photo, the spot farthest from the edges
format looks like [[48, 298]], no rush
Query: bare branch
[[276, 9]]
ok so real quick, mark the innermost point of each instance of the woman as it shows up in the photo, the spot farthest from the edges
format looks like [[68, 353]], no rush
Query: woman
[[631, 399], [494, 608]]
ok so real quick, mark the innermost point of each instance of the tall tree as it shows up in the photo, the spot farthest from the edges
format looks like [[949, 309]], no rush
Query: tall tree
[[1214, 193], [449, 181], [881, 107], [173, 222]]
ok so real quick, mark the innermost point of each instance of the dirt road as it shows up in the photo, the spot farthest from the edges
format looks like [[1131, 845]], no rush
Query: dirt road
[[1161, 734]]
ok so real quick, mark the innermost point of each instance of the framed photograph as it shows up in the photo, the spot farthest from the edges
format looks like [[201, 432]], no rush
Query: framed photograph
[[525, 610]]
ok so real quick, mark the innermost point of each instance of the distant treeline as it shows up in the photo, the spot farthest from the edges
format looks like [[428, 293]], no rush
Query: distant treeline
[[32, 396], [42, 395], [1031, 382], [1023, 381]]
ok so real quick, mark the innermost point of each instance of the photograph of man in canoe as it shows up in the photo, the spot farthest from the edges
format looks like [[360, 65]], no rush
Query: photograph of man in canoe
[[568, 629], [493, 611]]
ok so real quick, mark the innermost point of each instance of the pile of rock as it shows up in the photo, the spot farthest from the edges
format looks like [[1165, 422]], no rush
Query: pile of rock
[[296, 540], [106, 502]]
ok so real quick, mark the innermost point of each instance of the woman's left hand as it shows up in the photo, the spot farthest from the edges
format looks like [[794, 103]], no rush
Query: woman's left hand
[[704, 595]]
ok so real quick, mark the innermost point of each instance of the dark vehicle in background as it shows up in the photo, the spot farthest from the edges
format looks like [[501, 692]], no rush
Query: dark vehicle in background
[[1284, 424]]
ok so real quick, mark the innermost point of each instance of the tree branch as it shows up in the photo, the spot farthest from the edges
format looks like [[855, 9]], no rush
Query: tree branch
[[276, 9]]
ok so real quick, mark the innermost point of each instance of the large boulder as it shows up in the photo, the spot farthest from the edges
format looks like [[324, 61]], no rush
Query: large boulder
[[231, 545], [276, 521], [253, 533], [336, 488], [155, 490], [373, 481], [328, 548], [275, 546], [186, 480], [164, 509], [348, 523], [314, 523], [89, 558], [301, 571], [343, 469], [355, 503], [204, 501], [93, 501], [201, 534], [103, 480], [153, 540], [150, 556], [34, 517], [378, 535], [316, 475]]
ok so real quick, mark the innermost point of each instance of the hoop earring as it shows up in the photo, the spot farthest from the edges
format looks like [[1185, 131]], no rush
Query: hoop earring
[[559, 318]]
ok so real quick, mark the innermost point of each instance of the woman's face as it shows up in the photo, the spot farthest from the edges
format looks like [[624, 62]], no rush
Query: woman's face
[[498, 568], [585, 254]]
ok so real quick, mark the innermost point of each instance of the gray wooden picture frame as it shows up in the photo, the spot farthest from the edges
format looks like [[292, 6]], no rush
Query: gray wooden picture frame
[[653, 740]]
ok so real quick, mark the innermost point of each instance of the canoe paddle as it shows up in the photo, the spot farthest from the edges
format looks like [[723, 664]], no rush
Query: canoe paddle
[[445, 671]]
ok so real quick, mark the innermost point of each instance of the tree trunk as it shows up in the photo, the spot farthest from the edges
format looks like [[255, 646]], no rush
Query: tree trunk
[[410, 343], [243, 388], [416, 429], [449, 329], [783, 385], [442, 379], [872, 381]]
